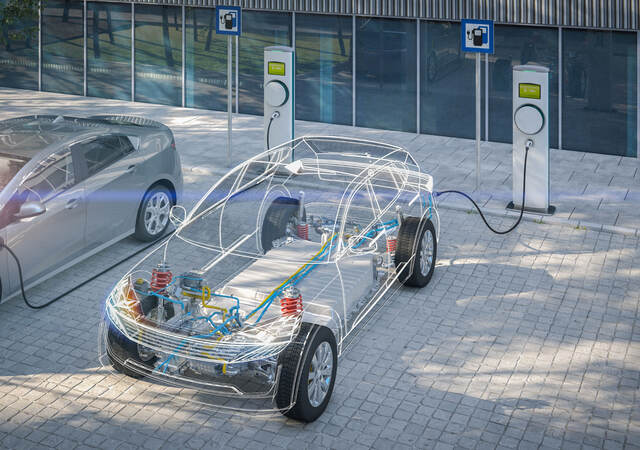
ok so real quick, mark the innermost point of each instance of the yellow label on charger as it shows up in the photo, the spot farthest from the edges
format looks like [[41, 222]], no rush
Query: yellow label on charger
[[276, 68], [528, 90]]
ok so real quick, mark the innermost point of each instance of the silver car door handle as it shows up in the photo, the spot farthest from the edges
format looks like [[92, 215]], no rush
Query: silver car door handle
[[131, 168], [73, 203]]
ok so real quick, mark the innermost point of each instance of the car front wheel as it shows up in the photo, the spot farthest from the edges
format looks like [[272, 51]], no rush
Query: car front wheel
[[308, 373], [416, 251], [153, 214]]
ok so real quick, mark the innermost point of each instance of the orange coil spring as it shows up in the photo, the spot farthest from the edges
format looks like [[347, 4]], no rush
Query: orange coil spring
[[160, 279], [303, 231], [291, 305], [392, 243]]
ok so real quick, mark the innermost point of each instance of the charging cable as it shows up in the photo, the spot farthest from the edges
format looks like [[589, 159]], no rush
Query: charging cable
[[44, 305], [528, 145], [274, 116]]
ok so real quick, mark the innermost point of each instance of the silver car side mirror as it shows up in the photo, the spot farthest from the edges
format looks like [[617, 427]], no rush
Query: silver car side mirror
[[177, 215], [31, 209]]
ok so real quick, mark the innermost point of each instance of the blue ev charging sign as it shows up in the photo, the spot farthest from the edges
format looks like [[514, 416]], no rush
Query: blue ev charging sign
[[477, 35], [229, 20]]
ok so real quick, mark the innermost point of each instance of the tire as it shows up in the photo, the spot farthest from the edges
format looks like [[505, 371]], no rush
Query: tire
[[120, 349], [412, 236], [296, 361], [147, 229], [278, 216]]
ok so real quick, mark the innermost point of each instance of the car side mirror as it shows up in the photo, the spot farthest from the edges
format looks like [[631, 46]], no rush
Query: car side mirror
[[177, 215], [31, 208]]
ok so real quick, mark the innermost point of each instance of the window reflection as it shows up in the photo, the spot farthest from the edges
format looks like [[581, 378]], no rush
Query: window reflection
[[109, 50], [599, 92], [62, 47], [158, 59], [324, 66], [19, 55], [386, 74], [206, 61]]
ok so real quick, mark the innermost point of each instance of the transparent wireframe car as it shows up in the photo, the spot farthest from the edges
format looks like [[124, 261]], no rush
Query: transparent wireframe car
[[262, 287]]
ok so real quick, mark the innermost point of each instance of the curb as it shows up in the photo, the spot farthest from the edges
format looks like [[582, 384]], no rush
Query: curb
[[549, 220]]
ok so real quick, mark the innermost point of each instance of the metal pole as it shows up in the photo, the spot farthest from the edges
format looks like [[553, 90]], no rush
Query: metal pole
[[638, 98], [478, 121], [229, 111], [237, 77], [486, 97]]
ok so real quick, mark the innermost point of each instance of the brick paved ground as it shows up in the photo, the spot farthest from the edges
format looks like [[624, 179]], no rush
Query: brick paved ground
[[525, 341]]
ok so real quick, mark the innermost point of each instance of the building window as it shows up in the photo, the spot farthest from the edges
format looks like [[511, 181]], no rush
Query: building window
[[206, 61], [62, 47], [517, 46], [158, 60], [447, 82], [109, 50], [259, 30], [599, 90], [386, 74], [19, 55], [324, 68]]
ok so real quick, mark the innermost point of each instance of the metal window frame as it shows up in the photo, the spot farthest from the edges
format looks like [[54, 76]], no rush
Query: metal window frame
[[40, 46], [560, 81], [84, 47], [417, 76], [133, 52], [353, 70], [184, 56]]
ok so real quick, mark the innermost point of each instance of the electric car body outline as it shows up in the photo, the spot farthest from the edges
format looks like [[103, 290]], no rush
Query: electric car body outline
[[87, 179], [297, 246]]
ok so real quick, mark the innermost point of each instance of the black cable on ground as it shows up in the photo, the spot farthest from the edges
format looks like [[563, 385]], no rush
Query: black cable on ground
[[513, 227], [113, 266]]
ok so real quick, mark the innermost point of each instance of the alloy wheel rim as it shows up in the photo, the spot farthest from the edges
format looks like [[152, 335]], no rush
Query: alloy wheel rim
[[156, 213], [426, 253], [320, 373]]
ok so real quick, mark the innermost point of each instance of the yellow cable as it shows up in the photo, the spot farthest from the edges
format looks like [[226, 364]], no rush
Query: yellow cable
[[292, 276]]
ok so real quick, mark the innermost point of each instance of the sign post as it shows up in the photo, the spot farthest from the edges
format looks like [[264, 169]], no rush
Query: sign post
[[230, 23], [477, 37]]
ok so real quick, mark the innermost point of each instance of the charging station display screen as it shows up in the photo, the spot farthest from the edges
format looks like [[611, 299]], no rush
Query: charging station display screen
[[276, 68], [528, 90]]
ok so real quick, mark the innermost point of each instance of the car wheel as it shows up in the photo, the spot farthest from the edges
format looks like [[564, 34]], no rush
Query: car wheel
[[416, 237], [153, 215], [308, 373], [279, 214], [120, 349]]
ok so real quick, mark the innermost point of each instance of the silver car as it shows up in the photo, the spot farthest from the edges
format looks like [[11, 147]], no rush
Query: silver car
[[70, 187]]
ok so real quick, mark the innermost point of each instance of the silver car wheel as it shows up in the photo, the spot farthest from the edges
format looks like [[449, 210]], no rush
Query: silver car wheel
[[156, 213], [320, 374], [426, 253]]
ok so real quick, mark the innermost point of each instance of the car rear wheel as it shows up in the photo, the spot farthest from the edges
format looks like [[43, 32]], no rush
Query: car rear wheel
[[153, 214], [308, 373], [416, 237], [122, 352], [278, 216]]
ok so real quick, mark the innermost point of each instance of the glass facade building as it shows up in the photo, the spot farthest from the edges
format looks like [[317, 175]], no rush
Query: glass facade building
[[395, 73]]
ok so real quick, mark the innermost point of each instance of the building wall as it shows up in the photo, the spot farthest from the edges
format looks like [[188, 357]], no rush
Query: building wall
[[383, 72]]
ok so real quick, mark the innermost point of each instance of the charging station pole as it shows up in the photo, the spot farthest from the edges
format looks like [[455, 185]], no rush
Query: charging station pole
[[230, 23], [477, 37]]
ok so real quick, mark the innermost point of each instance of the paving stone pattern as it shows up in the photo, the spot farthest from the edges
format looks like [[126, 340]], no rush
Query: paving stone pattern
[[530, 340]]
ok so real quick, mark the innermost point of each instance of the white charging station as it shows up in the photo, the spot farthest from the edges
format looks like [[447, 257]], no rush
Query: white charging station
[[531, 130], [279, 95]]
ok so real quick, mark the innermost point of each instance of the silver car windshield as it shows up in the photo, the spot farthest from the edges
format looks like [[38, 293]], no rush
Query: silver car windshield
[[9, 167]]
